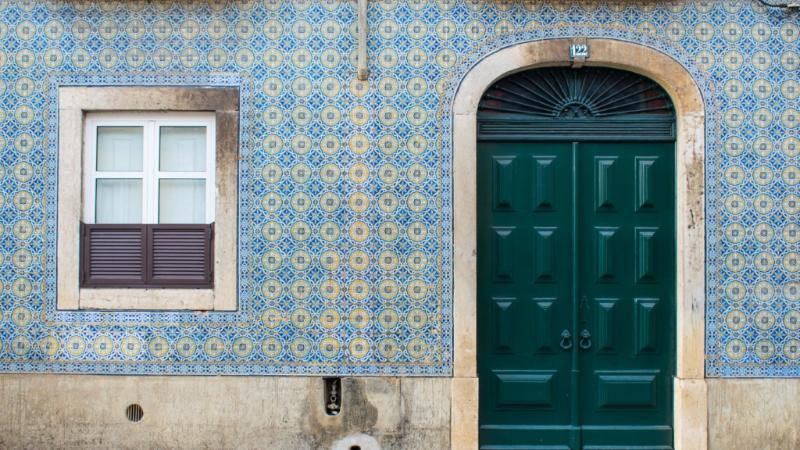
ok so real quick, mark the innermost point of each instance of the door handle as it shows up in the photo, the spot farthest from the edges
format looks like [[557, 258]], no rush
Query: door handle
[[585, 342], [566, 340]]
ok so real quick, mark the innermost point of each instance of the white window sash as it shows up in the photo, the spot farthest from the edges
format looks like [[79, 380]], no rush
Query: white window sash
[[150, 174]]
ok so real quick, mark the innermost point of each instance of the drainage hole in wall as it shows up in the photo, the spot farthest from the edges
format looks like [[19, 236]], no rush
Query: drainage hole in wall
[[135, 412], [355, 447]]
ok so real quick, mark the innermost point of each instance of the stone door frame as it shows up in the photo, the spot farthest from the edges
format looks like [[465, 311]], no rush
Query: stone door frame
[[690, 395]]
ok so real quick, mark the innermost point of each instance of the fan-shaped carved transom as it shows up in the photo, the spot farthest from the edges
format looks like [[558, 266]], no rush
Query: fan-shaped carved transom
[[568, 93]]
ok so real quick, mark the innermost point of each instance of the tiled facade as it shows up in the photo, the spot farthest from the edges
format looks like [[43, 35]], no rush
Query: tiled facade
[[345, 211]]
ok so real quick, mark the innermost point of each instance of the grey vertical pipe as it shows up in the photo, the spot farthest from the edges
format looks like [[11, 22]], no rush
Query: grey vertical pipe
[[363, 71]]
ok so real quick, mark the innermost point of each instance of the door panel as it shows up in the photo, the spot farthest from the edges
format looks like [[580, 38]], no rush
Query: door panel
[[626, 389], [524, 248], [612, 386], [503, 250], [606, 253], [625, 207], [504, 310], [503, 180], [543, 321], [525, 388], [645, 320], [606, 323], [545, 245]]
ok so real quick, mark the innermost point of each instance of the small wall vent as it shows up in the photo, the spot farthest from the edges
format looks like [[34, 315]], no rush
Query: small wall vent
[[134, 412]]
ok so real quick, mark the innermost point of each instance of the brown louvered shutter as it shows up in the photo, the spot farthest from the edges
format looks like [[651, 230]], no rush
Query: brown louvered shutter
[[181, 255], [113, 255], [158, 255]]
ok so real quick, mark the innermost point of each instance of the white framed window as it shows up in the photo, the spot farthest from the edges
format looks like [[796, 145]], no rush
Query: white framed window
[[149, 265], [149, 168]]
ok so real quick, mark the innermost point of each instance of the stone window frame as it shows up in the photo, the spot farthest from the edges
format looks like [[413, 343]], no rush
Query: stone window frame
[[74, 102]]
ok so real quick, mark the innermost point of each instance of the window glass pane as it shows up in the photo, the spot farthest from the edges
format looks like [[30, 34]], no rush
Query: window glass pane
[[119, 149], [182, 149], [118, 200], [181, 200]]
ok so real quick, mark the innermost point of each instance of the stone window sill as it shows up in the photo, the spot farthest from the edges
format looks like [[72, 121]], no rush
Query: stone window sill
[[146, 299]]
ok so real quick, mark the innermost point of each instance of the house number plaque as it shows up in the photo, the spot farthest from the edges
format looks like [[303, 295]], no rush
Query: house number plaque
[[578, 51]]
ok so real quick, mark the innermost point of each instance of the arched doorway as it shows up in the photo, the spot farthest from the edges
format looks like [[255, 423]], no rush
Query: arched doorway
[[690, 417], [576, 272]]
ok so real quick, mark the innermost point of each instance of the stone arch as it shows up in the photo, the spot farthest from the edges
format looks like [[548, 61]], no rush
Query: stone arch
[[690, 403]]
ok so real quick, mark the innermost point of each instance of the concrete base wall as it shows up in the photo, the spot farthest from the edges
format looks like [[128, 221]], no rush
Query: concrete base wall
[[748, 414], [281, 413], [287, 413]]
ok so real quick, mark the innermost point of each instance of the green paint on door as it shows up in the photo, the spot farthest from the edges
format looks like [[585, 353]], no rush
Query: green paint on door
[[576, 294]]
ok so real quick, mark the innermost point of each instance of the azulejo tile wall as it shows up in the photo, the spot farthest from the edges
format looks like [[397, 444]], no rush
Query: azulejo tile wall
[[345, 202]]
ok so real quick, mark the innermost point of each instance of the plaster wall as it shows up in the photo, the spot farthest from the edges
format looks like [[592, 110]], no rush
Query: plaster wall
[[278, 413], [753, 414], [72, 411]]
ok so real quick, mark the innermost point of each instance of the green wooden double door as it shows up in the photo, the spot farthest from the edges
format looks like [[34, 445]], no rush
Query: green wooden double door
[[576, 294]]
